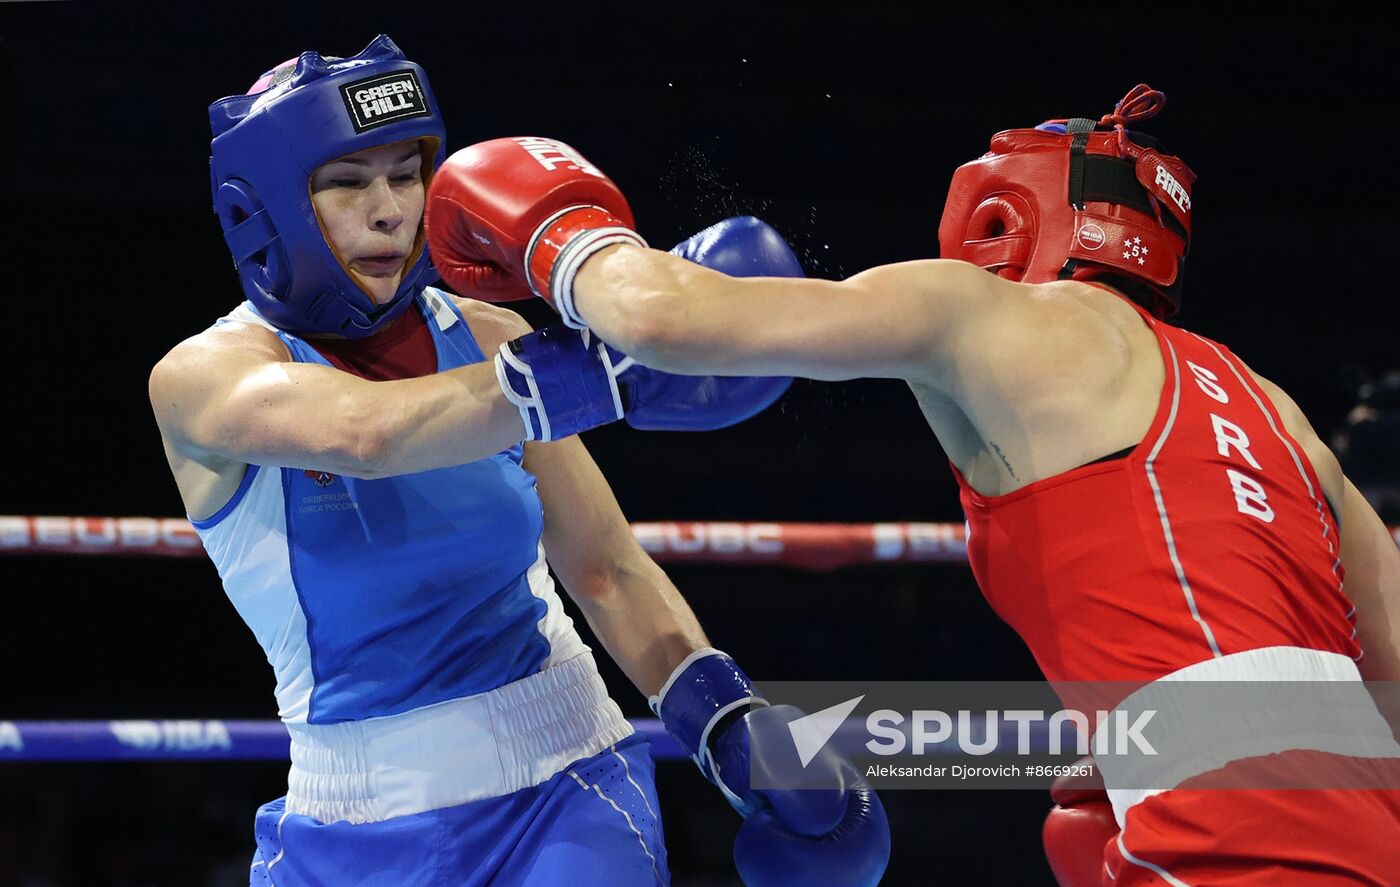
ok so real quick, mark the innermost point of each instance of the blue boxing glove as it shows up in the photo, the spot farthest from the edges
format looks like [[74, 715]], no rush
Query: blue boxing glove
[[562, 380], [740, 247], [565, 380], [833, 834]]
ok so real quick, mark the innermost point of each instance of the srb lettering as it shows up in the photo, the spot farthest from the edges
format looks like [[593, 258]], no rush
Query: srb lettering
[[1228, 434], [1206, 381], [1249, 496]]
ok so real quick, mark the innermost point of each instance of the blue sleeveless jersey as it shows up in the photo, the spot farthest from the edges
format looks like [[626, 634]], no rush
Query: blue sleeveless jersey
[[375, 597]]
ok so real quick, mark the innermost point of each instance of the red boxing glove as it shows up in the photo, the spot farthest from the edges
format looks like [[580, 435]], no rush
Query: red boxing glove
[[1077, 828], [512, 218]]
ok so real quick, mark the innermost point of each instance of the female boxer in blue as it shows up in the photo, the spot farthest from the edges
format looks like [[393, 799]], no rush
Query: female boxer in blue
[[354, 465]]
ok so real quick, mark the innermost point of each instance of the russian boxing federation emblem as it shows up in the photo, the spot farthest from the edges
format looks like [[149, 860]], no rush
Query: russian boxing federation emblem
[[376, 101], [320, 478]]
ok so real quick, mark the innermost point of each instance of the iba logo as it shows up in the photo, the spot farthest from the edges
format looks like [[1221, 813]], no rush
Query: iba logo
[[320, 478], [376, 101], [1091, 236]]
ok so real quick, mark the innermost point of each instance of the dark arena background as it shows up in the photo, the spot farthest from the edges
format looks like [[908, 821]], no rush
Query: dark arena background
[[839, 124]]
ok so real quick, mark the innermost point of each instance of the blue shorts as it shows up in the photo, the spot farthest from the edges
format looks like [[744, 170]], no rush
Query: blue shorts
[[596, 824]]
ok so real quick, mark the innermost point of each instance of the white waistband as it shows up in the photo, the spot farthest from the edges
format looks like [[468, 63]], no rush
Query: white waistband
[[1269, 700], [441, 755]]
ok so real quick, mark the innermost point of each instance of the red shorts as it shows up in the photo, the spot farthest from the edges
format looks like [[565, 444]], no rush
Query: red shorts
[[1259, 838]]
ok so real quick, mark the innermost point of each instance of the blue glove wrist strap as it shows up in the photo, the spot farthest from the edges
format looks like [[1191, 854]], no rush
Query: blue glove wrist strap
[[706, 689], [562, 381]]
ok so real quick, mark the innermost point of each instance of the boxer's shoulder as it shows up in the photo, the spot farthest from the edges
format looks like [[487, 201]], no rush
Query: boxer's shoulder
[[1295, 422], [212, 354], [983, 312], [1032, 341], [187, 388], [1070, 312], [492, 325], [232, 338], [1052, 376]]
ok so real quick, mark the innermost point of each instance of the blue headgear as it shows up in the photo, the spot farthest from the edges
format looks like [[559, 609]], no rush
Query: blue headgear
[[266, 145]]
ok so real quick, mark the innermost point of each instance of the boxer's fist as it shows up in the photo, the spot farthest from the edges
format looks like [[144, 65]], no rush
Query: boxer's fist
[[833, 834], [827, 830], [742, 246], [855, 853], [564, 381], [1076, 830], [511, 218]]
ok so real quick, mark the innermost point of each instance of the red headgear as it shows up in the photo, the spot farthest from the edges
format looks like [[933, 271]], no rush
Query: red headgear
[[1066, 201]]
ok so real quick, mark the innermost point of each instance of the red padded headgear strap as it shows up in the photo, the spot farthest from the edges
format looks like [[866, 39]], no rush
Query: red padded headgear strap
[[1069, 200]]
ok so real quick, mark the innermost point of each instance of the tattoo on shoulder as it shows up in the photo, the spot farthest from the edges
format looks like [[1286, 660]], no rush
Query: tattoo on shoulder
[[1009, 470]]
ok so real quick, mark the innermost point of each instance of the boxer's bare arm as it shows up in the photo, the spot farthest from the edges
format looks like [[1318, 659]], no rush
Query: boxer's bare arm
[[1369, 554], [1329, 471], [1040, 378], [895, 321], [1372, 564], [231, 396], [642, 620], [635, 610]]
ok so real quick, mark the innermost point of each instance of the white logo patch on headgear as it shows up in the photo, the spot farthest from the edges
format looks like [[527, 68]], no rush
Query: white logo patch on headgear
[[1173, 189], [1091, 236], [376, 101]]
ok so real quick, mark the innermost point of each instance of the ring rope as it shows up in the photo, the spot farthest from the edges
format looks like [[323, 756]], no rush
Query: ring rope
[[267, 740], [806, 546]]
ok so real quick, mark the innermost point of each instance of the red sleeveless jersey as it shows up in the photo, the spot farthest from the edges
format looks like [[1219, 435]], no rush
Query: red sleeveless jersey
[[1212, 537]]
